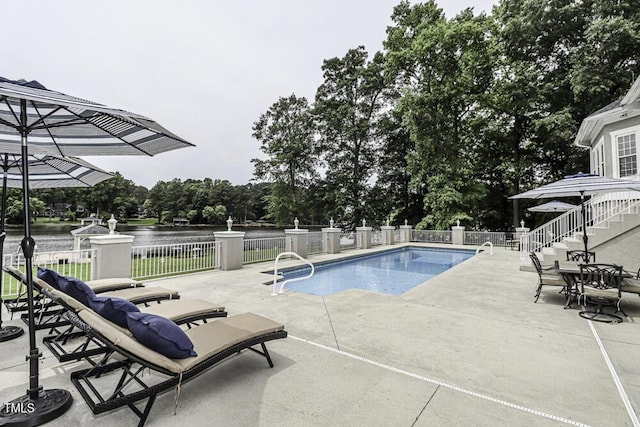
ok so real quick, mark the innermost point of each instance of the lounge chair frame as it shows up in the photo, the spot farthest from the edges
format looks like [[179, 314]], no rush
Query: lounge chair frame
[[130, 371], [63, 347], [61, 342], [50, 316]]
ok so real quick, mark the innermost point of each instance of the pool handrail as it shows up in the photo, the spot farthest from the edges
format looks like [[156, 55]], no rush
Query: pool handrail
[[486, 243], [295, 279]]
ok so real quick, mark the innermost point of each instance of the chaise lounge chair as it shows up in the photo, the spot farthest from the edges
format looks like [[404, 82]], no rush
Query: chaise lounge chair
[[50, 316], [64, 345], [19, 304], [115, 382]]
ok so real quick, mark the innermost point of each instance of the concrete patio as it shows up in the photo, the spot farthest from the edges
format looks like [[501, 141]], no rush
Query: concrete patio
[[469, 347]]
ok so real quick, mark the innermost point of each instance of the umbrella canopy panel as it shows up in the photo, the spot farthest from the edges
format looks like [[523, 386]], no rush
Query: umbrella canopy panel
[[553, 206], [63, 125], [52, 172], [579, 185]]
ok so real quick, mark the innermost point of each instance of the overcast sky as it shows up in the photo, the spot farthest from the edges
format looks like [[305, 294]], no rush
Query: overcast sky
[[204, 69]]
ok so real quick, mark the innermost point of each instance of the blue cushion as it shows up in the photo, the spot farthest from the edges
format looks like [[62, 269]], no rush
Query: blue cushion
[[160, 334], [113, 309], [76, 289], [49, 276]]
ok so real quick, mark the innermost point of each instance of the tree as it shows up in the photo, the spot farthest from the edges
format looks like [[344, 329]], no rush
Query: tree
[[15, 209], [347, 107], [286, 135], [214, 214], [442, 70]]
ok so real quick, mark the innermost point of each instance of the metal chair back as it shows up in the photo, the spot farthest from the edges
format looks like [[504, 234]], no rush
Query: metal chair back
[[601, 276], [581, 256]]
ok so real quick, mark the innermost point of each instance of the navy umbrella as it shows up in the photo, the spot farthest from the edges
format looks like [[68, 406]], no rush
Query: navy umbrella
[[35, 120]]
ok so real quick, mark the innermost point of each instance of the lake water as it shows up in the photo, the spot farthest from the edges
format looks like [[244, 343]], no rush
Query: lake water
[[59, 238]]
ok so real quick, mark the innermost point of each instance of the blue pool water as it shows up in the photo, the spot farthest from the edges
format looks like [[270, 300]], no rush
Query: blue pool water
[[392, 272]]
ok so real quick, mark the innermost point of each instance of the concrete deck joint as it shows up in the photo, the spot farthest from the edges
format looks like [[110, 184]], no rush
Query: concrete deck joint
[[445, 385], [614, 375], [425, 406], [333, 331]]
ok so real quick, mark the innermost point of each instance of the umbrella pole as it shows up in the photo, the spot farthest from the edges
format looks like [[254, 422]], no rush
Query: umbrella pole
[[585, 239], [7, 332], [38, 406]]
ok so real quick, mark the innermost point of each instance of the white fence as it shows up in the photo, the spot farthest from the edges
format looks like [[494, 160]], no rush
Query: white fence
[[168, 260], [68, 263], [266, 249], [315, 244], [348, 240], [497, 238], [431, 236]]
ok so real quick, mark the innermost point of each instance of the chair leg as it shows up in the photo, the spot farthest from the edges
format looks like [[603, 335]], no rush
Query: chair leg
[[538, 292], [600, 316]]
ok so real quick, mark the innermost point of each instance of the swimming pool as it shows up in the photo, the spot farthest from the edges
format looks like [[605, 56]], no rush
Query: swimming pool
[[391, 272]]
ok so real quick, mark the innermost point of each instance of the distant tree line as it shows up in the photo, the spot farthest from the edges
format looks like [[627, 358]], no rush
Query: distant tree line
[[452, 117], [204, 201]]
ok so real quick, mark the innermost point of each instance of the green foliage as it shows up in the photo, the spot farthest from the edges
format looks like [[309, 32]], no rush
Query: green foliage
[[286, 134], [15, 209], [348, 107]]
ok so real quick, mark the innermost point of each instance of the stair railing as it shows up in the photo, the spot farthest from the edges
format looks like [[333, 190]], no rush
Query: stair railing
[[598, 210]]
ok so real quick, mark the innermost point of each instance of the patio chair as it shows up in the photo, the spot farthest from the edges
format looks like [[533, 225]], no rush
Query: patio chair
[[117, 380], [546, 276], [581, 256], [631, 284], [51, 316], [601, 284], [19, 304], [511, 241], [73, 344], [113, 284]]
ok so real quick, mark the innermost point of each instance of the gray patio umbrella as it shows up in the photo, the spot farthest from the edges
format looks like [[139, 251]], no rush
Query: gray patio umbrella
[[35, 120], [552, 206], [44, 172], [581, 185]]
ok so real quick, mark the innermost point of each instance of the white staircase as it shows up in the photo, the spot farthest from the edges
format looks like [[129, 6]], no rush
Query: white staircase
[[608, 217]]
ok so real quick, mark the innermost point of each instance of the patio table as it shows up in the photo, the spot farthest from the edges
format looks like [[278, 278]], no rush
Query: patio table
[[570, 272]]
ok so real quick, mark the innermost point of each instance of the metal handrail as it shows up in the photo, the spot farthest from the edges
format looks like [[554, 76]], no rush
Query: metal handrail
[[295, 279], [485, 244], [598, 210]]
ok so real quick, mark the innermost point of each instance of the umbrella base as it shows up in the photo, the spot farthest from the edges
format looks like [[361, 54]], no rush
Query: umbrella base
[[600, 316], [27, 412], [10, 332]]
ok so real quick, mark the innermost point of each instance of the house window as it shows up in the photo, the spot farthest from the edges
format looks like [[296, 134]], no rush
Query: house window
[[598, 159], [627, 157]]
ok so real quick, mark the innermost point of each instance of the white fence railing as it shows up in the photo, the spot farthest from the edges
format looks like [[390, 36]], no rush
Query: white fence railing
[[266, 249], [68, 263], [376, 238], [497, 238], [167, 260], [315, 244], [431, 236], [348, 240]]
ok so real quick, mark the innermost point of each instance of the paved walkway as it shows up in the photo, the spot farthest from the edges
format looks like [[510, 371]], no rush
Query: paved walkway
[[467, 348]]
